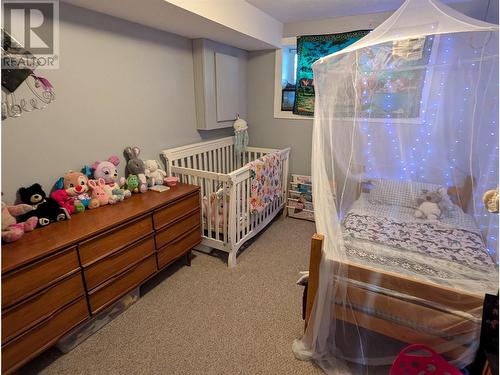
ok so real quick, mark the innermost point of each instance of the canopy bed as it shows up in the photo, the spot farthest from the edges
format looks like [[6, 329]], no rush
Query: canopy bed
[[405, 143]]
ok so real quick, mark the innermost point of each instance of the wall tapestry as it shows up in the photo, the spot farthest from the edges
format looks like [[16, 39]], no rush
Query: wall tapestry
[[309, 49]]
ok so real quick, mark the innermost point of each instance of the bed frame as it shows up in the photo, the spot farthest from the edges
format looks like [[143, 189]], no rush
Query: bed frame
[[220, 171], [441, 322]]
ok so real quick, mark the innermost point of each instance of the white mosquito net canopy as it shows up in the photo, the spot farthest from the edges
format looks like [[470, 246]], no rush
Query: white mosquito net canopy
[[405, 144]]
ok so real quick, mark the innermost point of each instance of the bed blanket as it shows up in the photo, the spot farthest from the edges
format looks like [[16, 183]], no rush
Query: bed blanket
[[449, 252]]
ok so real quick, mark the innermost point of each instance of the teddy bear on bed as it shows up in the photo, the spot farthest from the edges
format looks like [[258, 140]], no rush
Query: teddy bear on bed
[[430, 204]]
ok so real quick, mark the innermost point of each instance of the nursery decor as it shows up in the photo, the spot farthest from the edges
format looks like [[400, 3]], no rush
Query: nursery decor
[[76, 186], [46, 209], [309, 49], [99, 193], [240, 135], [429, 204], [154, 173], [11, 229], [217, 168], [490, 199], [108, 171], [64, 200], [133, 183], [135, 166], [171, 180]]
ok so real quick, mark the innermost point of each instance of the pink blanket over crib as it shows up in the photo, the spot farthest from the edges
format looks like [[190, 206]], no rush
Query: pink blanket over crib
[[266, 181]]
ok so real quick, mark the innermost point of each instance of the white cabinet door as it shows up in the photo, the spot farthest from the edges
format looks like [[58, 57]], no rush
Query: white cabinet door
[[227, 87], [220, 84]]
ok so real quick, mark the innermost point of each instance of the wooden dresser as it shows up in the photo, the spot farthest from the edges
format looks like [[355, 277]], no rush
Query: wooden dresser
[[56, 277]]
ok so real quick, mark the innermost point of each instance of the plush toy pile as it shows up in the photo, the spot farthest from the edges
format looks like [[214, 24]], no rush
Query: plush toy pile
[[94, 186]]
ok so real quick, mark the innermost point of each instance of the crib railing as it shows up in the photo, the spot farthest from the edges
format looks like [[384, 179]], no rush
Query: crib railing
[[224, 179], [245, 223]]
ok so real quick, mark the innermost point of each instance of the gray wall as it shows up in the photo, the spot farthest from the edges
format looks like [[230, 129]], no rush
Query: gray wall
[[118, 84]]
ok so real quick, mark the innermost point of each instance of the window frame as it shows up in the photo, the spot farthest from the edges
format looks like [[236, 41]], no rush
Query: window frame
[[278, 65]]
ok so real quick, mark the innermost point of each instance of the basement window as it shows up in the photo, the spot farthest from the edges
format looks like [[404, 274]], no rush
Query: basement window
[[285, 79]]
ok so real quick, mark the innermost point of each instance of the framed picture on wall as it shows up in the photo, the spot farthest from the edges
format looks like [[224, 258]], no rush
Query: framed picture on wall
[[287, 98]]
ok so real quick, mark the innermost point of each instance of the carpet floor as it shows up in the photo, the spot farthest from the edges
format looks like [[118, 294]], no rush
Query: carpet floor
[[207, 319]]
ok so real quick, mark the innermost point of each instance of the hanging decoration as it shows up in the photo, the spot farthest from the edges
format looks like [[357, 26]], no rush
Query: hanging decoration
[[309, 49], [17, 77], [240, 135]]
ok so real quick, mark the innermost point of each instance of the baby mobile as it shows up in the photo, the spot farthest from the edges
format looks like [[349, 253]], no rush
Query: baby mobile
[[240, 135], [18, 76]]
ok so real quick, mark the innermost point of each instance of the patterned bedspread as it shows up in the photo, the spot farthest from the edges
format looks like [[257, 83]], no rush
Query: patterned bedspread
[[449, 252]]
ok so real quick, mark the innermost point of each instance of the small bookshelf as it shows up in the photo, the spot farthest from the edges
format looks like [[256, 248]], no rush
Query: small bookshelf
[[300, 202]]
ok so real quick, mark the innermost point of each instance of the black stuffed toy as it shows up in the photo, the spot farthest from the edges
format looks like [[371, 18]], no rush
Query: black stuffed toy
[[46, 209]]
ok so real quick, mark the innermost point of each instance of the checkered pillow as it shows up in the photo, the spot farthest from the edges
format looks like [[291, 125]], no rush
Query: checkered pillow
[[401, 193]]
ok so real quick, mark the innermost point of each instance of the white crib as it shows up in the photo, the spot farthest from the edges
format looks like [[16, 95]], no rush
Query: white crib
[[216, 168]]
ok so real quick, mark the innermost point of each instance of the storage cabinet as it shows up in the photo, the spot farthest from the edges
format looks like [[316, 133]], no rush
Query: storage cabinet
[[56, 277], [220, 84]]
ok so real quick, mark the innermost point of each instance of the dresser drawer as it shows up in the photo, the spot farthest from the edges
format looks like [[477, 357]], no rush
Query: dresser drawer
[[172, 212], [114, 240], [20, 350], [28, 280], [174, 231], [23, 316], [180, 246], [114, 288], [117, 262]]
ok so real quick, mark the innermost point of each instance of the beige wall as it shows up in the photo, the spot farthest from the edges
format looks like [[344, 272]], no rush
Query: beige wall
[[119, 84]]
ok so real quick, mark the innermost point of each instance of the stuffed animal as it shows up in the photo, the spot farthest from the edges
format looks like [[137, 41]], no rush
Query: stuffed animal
[[154, 174], [430, 204], [136, 166], [11, 229], [216, 208], [46, 209], [133, 183], [64, 200], [490, 199], [107, 170], [76, 186], [99, 192]]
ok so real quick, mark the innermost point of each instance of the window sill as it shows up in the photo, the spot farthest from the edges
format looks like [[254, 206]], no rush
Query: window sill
[[290, 116]]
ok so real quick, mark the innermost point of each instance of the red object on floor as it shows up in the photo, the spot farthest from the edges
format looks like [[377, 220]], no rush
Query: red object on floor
[[418, 359]]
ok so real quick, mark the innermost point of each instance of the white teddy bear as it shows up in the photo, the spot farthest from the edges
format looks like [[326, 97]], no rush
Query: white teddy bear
[[154, 174], [429, 204]]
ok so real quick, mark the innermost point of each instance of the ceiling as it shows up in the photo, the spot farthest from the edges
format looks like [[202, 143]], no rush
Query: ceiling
[[306, 10]]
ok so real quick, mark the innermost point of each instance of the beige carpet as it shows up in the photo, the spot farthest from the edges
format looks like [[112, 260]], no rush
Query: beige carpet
[[207, 319]]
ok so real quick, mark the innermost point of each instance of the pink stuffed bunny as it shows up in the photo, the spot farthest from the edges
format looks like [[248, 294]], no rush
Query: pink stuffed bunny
[[99, 192], [12, 230]]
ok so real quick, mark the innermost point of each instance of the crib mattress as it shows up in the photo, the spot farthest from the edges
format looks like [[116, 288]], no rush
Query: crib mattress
[[449, 252]]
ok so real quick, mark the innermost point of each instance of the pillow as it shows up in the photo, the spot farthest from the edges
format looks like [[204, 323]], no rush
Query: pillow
[[403, 193]]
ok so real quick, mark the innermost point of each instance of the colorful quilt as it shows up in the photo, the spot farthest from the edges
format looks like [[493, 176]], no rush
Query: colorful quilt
[[265, 176]]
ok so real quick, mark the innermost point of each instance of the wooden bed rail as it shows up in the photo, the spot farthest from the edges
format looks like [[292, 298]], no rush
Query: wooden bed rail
[[431, 315], [314, 262]]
